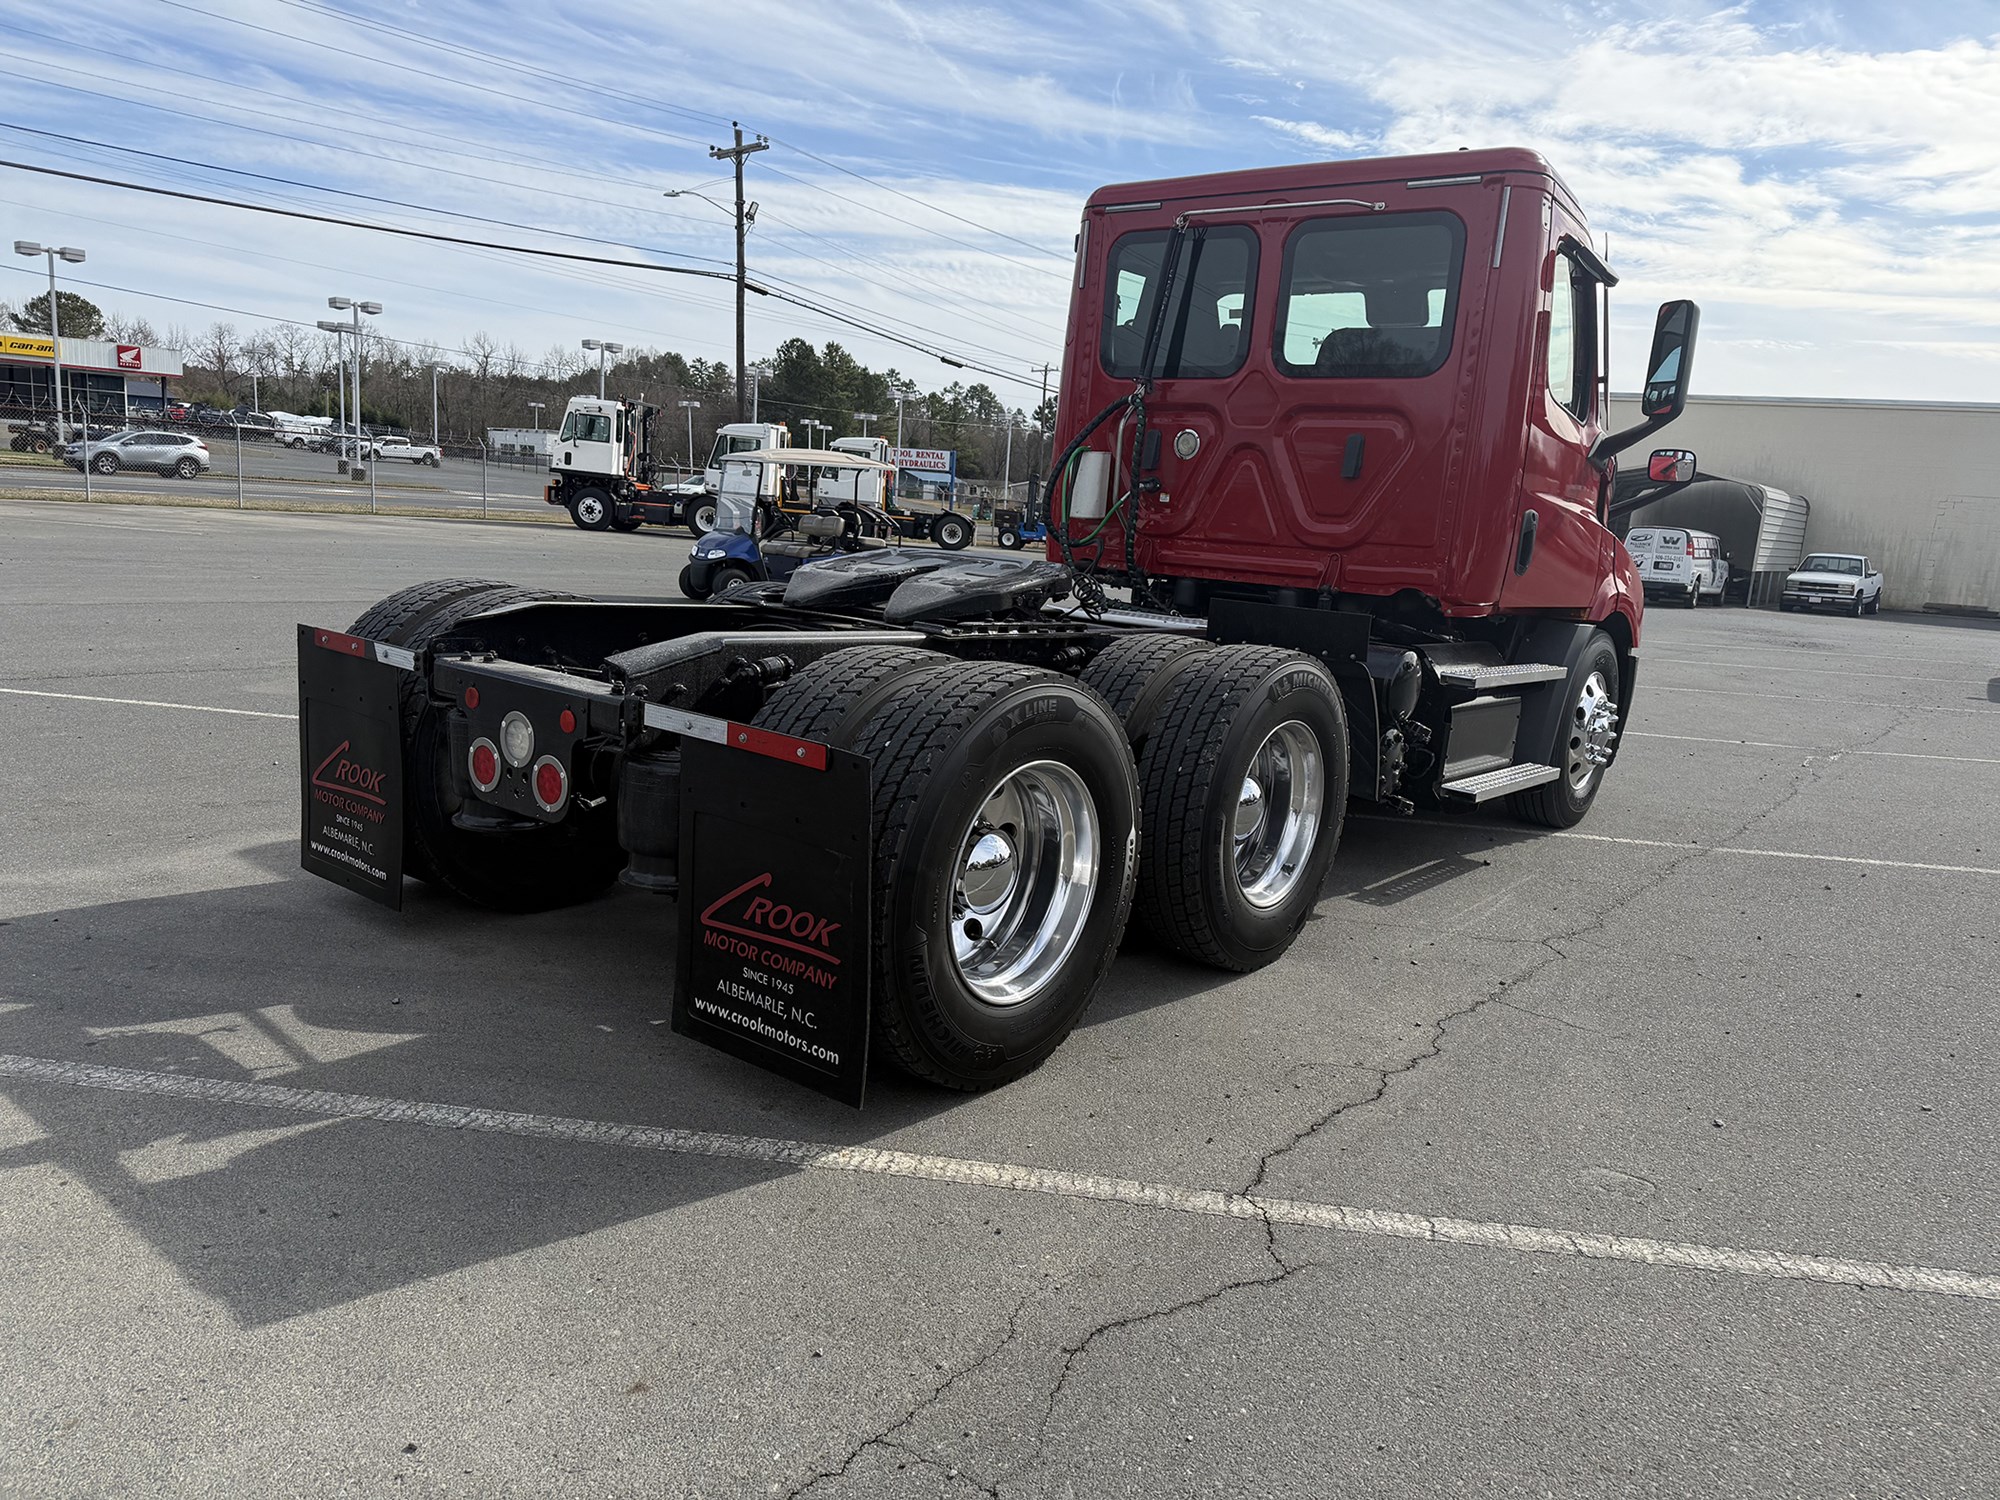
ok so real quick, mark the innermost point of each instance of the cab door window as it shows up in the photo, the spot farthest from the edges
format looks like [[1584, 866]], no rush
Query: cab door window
[[1572, 351]]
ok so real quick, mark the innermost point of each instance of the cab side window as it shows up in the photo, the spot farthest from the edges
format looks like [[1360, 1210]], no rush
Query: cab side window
[[1572, 353]]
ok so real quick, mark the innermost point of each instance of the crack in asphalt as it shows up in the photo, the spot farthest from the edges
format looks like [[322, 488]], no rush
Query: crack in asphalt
[[1815, 768], [886, 1437]]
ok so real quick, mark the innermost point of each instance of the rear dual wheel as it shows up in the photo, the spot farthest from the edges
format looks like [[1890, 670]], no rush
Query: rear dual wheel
[[1005, 814], [522, 870], [1243, 780]]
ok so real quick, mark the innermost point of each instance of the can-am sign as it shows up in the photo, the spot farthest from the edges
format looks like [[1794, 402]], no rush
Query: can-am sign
[[14, 346]]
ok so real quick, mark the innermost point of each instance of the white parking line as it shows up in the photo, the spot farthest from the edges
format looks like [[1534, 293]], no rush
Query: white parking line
[[193, 708], [1789, 666], [1925, 708], [1836, 859], [1686, 846], [1007, 1177], [1702, 739]]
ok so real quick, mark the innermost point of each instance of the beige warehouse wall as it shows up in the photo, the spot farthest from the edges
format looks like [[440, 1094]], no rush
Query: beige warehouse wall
[[1916, 487]]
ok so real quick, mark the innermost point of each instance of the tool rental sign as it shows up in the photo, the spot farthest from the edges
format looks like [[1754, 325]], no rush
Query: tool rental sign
[[935, 465]]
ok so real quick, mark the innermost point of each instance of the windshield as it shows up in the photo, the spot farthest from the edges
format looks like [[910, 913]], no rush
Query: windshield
[[727, 443], [735, 513], [1821, 562]]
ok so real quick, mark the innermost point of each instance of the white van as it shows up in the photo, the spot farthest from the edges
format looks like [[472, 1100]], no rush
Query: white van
[[1676, 563]]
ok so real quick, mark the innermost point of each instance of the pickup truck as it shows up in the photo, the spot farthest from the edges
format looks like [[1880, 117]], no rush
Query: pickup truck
[[401, 447], [1845, 580]]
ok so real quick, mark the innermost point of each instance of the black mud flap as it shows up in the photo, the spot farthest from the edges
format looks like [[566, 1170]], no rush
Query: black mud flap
[[774, 941], [351, 763]]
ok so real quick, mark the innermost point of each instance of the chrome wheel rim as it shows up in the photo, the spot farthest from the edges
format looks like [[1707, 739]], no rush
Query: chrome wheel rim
[[1025, 882], [1593, 730], [1278, 811]]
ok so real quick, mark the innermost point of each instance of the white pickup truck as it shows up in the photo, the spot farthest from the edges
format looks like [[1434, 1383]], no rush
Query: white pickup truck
[[401, 447], [1845, 581]]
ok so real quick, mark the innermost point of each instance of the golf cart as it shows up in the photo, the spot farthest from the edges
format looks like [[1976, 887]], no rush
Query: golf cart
[[757, 539]]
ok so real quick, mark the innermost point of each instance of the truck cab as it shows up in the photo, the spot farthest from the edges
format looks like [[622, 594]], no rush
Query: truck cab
[[1378, 383], [741, 437], [857, 486]]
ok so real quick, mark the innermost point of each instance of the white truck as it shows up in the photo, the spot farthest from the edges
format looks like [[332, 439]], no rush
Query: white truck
[[602, 470], [402, 448], [1845, 581]]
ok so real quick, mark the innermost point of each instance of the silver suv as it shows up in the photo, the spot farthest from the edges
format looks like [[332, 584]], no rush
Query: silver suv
[[177, 453]]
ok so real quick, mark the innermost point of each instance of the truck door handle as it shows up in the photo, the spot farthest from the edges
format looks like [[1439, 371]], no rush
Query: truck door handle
[[1525, 552], [1350, 458]]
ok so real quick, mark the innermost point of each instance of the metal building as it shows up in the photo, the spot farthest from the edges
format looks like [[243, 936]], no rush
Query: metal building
[[1913, 484]]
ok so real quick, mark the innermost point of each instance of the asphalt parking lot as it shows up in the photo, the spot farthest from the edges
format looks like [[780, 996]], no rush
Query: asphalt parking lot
[[1651, 1158]]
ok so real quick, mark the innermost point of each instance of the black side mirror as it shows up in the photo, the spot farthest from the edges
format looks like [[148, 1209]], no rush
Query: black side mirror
[[1667, 372], [1672, 357], [1670, 466]]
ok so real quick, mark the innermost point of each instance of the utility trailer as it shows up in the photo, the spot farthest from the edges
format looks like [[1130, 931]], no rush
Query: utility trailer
[[1327, 523]]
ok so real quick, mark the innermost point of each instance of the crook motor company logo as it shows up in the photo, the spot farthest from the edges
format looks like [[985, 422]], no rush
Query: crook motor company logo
[[343, 775], [789, 940]]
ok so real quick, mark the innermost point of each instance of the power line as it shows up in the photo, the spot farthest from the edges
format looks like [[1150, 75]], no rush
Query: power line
[[316, 187], [538, 252]]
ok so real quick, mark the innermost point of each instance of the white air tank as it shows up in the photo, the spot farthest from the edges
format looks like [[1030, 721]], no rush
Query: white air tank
[[1090, 491]]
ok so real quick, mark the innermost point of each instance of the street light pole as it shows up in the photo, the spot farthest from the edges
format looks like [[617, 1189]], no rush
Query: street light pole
[[901, 397], [536, 408], [75, 257], [349, 304], [864, 418], [602, 349], [434, 407], [746, 215], [690, 407]]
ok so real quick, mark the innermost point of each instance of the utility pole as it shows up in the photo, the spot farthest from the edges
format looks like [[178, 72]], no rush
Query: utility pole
[[1045, 371], [735, 155]]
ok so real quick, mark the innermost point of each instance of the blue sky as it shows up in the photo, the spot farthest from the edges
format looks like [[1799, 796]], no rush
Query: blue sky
[[1826, 181]]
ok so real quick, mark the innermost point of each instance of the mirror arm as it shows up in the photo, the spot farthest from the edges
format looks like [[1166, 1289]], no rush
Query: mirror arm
[[1613, 443]]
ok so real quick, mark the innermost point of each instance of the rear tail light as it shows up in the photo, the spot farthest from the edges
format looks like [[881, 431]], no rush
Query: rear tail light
[[1690, 546], [482, 763], [551, 784]]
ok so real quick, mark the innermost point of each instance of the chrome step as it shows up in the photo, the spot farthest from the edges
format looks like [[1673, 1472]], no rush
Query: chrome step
[[1490, 784], [1485, 679]]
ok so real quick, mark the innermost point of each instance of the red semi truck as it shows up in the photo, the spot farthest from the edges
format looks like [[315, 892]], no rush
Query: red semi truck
[[1327, 524]]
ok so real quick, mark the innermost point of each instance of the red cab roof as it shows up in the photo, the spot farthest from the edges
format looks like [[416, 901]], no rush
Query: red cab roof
[[1314, 175]]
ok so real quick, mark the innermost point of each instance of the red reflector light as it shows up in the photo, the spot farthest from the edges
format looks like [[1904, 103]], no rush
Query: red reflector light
[[551, 784], [484, 765], [472, 697], [568, 722]]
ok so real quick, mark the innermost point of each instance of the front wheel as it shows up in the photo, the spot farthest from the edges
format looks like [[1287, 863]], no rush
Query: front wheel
[[1009, 539], [104, 463], [701, 518], [1243, 782], [591, 510], [1586, 737], [953, 533]]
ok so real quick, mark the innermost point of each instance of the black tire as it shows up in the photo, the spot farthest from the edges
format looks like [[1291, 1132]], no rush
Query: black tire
[[188, 468], [105, 463], [1193, 769], [836, 695], [1557, 804], [700, 518], [1860, 604], [685, 582], [431, 461], [533, 870], [953, 533], [590, 510], [1009, 539], [1875, 604], [726, 577], [1694, 594], [626, 523], [38, 445], [1131, 675], [939, 746], [1785, 608]]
